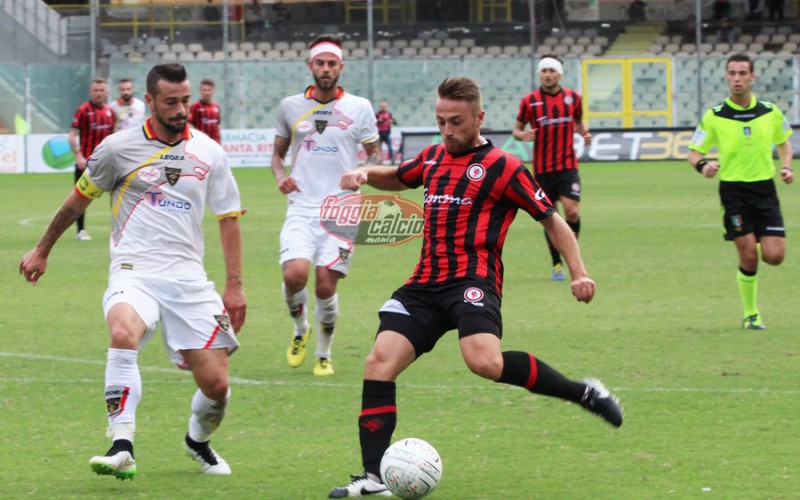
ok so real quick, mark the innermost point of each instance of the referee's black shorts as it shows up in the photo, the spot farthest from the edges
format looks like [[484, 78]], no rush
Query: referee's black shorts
[[750, 207], [566, 183], [424, 313]]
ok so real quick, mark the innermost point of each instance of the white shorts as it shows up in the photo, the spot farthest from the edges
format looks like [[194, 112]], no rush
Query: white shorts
[[303, 237], [191, 313]]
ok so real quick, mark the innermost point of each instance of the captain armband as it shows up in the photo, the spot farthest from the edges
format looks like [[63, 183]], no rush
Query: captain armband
[[700, 164], [88, 189]]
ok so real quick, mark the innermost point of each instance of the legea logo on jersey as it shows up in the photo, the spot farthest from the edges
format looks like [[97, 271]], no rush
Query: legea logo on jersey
[[371, 219]]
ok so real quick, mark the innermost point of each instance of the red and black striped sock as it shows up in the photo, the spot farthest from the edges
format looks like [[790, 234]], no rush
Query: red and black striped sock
[[522, 369], [376, 422]]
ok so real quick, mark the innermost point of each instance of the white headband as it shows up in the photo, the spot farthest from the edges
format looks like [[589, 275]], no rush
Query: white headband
[[325, 48], [550, 63]]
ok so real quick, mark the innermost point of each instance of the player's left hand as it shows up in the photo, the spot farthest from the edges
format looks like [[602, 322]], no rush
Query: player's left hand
[[583, 289], [787, 175]]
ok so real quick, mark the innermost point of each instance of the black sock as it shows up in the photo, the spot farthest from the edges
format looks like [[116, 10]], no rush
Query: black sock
[[120, 445], [576, 227], [554, 255], [524, 370], [376, 422]]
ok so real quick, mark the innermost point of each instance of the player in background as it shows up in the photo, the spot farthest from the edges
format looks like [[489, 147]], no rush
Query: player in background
[[94, 121], [204, 114], [385, 121], [744, 129], [324, 126], [130, 111], [472, 193], [160, 178], [554, 114]]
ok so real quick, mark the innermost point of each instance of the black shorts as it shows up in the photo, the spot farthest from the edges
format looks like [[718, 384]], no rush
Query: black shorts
[[424, 313], [750, 207], [566, 183]]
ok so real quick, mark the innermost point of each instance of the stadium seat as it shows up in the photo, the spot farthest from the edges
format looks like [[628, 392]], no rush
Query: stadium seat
[[494, 50], [272, 55], [400, 43], [238, 55], [784, 30], [219, 55], [177, 47], [292, 54], [426, 52], [264, 46], [525, 50], [451, 43], [383, 44], [477, 50], [511, 50], [152, 56], [434, 43], [186, 57], [205, 55], [349, 44], [255, 55], [409, 52], [443, 51], [281, 46], [247, 46], [760, 38], [169, 57], [756, 47], [467, 42], [358, 53], [194, 47], [460, 51], [778, 39], [416, 43]]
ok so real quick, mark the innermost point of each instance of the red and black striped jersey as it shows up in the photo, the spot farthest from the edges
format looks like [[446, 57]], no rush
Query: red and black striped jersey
[[470, 200], [206, 118], [553, 116], [94, 123]]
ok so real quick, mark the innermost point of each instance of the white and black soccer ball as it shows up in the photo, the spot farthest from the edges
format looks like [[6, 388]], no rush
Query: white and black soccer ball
[[411, 468]]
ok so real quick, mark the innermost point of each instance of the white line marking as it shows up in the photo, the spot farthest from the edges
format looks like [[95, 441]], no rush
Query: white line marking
[[293, 383]]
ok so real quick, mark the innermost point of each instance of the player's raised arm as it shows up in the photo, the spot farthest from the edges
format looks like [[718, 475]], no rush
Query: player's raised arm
[[563, 238], [34, 263]]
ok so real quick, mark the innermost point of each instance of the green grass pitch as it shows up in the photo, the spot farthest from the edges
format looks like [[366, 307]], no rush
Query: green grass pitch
[[711, 410]]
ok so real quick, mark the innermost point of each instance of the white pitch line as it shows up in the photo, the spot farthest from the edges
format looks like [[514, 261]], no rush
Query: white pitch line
[[293, 383]]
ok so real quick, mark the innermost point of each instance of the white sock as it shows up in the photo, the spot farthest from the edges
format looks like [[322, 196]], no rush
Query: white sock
[[298, 304], [327, 312], [123, 392], [206, 415]]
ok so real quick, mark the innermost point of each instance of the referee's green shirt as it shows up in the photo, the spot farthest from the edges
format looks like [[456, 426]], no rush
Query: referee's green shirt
[[744, 138]]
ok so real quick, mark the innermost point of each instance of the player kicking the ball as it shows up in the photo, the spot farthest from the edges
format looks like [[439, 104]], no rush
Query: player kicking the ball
[[473, 191], [160, 178]]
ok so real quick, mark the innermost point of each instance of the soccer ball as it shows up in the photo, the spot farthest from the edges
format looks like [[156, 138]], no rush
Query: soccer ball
[[411, 468]]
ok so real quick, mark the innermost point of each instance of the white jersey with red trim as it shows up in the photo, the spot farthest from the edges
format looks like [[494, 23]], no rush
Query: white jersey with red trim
[[159, 193], [324, 140], [130, 114]]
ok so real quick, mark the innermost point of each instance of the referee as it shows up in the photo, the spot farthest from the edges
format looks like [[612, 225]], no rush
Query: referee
[[744, 129]]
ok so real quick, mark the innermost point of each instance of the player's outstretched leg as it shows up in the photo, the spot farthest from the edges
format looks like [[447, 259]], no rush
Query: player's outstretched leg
[[117, 462], [523, 369]]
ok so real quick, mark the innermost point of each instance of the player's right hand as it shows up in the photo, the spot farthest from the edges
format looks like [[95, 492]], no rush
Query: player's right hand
[[710, 169], [287, 185], [33, 266], [583, 289]]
